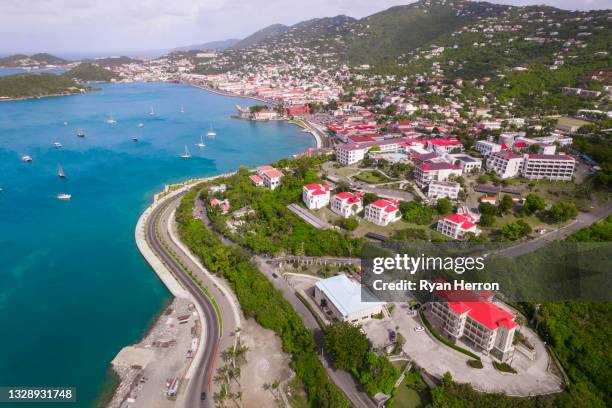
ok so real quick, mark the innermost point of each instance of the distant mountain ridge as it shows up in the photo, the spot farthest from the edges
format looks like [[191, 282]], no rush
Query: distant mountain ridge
[[260, 35], [22, 60], [211, 45]]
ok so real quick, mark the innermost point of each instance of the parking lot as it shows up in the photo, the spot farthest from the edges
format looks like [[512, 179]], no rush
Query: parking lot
[[436, 358]]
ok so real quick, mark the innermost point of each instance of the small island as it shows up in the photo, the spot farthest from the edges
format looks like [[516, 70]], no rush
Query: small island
[[88, 72], [23, 86]]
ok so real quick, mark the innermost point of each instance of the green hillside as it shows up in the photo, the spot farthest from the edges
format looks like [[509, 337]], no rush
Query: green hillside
[[88, 72], [37, 85]]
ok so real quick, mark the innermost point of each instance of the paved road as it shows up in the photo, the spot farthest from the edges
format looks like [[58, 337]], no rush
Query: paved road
[[582, 221], [202, 378], [341, 378]]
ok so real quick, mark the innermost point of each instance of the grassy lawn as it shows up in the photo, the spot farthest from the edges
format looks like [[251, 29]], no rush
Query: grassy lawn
[[412, 392], [533, 221], [372, 177], [572, 122]]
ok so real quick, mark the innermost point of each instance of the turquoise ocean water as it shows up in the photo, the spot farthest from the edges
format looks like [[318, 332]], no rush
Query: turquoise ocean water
[[73, 286]]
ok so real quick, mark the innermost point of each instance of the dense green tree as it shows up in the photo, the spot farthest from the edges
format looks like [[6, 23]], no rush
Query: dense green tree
[[562, 211], [346, 344], [533, 204], [506, 203], [417, 213], [444, 206]]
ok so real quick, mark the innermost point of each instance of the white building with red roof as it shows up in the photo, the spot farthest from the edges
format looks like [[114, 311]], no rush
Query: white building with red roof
[[476, 321], [347, 203], [383, 211], [427, 172], [316, 196], [457, 225], [270, 177], [442, 146], [505, 165]]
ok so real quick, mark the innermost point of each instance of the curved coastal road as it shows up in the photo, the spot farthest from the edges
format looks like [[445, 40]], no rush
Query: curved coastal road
[[202, 377]]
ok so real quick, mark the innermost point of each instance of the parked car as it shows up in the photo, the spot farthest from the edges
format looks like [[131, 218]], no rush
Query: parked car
[[419, 329], [392, 336]]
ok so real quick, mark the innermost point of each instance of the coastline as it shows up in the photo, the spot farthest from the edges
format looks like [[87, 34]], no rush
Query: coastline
[[25, 98], [124, 379], [309, 128]]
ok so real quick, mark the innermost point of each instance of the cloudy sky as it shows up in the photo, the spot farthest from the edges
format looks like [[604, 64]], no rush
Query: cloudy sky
[[110, 26]]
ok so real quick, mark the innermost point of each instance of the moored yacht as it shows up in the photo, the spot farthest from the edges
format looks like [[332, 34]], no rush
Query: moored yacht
[[186, 154], [201, 144], [57, 145], [110, 120], [80, 132], [211, 132], [26, 158], [64, 196]]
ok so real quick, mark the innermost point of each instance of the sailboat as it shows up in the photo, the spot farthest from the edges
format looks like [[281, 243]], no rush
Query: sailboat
[[186, 154], [201, 144], [211, 132], [60, 171], [110, 120], [151, 112], [182, 109], [57, 145], [80, 132]]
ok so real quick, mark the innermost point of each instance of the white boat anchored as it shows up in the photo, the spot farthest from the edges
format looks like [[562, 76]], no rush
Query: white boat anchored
[[57, 145], [186, 154], [141, 125], [135, 138], [182, 109], [60, 171], [65, 123], [80, 132], [152, 112], [64, 196], [201, 144], [26, 158], [211, 132], [110, 120]]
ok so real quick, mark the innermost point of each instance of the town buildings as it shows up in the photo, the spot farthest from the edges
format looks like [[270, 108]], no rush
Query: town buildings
[[549, 167], [347, 203], [441, 189], [344, 299], [476, 321], [427, 172], [457, 225], [316, 196], [505, 165], [486, 148], [382, 211], [267, 176]]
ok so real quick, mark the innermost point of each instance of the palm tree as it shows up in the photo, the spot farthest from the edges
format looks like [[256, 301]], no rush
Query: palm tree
[[238, 395]]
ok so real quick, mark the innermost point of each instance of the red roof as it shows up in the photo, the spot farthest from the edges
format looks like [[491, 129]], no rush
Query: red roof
[[438, 166], [464, 221], [388, 204], [256, 179], [520, 145], [445, 142], [317, 189], [350, 198], [273, 173], [480, 310]]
